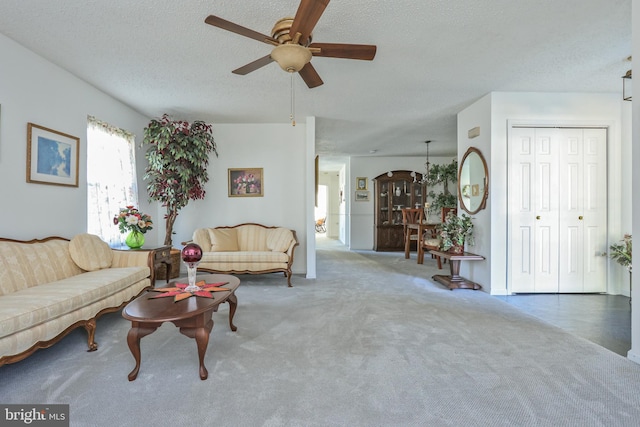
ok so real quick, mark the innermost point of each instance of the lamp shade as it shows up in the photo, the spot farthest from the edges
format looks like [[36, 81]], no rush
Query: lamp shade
[[291, 57]]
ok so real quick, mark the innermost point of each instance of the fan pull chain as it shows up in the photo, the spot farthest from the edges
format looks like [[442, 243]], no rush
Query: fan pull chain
[[292, 116]]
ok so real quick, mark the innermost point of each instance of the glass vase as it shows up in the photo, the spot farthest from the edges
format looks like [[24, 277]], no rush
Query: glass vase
[[191, 256], [135, 240]]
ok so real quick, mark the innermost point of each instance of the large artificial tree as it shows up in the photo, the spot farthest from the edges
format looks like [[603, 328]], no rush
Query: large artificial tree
[[442, 174], [178, 157]]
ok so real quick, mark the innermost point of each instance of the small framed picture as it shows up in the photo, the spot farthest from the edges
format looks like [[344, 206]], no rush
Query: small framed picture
[[52, 156], [361, 183], [362, 196], [246, 182]]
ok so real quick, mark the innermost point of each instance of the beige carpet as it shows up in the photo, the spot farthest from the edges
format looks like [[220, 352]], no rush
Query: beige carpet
[[371, 342]]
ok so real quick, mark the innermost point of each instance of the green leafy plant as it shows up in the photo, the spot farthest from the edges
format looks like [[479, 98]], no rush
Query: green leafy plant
[[442, 200], [455, 231], [178, 157], [621, 252], [442, 174]]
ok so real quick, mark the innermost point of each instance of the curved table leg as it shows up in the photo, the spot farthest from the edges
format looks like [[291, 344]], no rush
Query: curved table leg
[[233, 304], [136, 332], [198, 328], [202, 340]]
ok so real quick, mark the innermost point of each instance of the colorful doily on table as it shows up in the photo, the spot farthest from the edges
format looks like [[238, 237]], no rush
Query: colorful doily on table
[[180, 294]]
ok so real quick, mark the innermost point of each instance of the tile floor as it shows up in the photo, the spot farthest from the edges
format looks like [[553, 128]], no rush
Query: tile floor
[[602, 319]]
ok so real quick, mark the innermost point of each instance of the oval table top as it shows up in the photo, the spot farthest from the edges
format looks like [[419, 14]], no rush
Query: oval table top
[[149, 309]]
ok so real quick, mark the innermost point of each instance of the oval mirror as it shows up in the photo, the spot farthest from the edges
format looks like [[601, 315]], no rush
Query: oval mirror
[[473, 181]]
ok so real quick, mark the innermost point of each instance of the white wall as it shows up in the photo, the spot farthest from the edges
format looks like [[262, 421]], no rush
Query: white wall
[[530, 109], [34, 90], [479, 115], [361, 214], [280, 149], [634, 353]]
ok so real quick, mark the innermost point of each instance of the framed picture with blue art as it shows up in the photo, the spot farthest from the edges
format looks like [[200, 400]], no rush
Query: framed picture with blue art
[[52, 156]]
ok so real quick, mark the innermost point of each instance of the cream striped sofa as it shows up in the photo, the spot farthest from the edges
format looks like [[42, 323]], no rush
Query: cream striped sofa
[[51, 286], [246, 249]]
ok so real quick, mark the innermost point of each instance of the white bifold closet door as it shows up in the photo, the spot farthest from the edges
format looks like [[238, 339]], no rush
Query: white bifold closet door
[[558, 210]]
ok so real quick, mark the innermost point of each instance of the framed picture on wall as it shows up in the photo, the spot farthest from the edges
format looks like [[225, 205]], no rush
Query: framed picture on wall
[[361, 183], [52, 156], [362, 196], [247, 182]]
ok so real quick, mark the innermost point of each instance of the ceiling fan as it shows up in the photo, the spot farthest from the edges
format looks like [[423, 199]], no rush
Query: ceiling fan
[[292, 40]]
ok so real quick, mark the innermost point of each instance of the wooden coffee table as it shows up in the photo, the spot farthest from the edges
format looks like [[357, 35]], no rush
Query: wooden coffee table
[[192, 316]]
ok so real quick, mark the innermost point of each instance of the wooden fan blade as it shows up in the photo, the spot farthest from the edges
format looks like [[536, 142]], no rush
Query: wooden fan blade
[[252, 66], [235, 28], [310, 76], [349, 51], [307, 16]]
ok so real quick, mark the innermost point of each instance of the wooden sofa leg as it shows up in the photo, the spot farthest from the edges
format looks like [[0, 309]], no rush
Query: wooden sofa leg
[[288, 274], [90, 326]]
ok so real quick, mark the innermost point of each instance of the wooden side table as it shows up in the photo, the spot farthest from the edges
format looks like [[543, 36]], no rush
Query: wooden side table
[[160, 255], [455, 281]]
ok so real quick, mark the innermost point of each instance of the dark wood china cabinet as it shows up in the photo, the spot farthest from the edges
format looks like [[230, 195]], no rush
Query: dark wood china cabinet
[[393, 191]]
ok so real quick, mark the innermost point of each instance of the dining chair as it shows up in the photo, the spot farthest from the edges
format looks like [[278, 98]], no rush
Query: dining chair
[[412, 219]]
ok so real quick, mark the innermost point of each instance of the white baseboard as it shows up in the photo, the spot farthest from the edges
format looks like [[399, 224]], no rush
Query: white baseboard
[[633, 356]]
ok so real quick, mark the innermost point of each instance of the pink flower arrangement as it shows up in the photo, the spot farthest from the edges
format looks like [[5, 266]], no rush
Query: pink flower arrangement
[[131, 219], [246, 183]]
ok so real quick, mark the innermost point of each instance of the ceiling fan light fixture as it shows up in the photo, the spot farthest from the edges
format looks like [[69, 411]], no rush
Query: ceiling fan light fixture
[[291, 57]]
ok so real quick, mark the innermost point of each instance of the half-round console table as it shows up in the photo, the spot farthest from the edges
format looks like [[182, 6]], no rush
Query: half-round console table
[[455, 281]]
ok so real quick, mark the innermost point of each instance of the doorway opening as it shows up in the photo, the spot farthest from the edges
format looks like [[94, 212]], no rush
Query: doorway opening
[[320, 214]]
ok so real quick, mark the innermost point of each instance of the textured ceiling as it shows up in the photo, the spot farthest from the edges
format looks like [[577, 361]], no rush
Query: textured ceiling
[[434, 58]]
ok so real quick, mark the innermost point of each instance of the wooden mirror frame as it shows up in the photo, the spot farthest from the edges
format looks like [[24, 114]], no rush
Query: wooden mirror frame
[[485, 192]]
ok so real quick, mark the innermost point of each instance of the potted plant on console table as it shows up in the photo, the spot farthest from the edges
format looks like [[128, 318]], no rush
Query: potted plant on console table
[[454, 232], [178, 157]]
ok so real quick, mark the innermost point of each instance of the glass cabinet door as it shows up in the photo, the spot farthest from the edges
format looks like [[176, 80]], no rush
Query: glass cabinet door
[[383, 213]]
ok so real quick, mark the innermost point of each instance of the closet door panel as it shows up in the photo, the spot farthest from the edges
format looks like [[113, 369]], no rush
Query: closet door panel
[[595, 210], [546, 212], [522, 195], [571, 190]]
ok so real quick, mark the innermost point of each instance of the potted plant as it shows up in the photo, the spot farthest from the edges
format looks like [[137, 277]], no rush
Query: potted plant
[[622, 253], [442, 174], [178, 157], [454, 232]]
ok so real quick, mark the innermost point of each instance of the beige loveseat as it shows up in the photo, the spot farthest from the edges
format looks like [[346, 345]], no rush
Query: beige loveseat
[[246, 249], [49, 287]]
